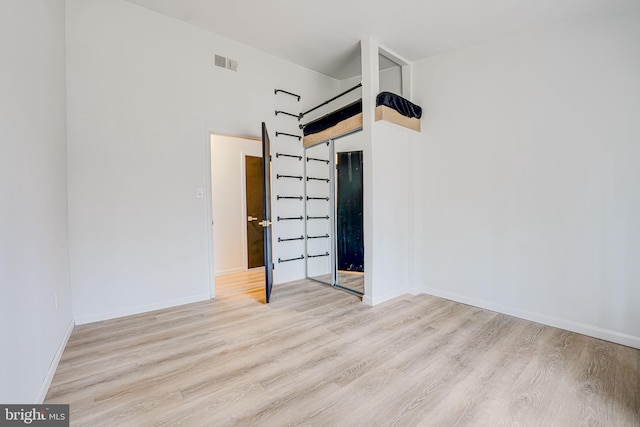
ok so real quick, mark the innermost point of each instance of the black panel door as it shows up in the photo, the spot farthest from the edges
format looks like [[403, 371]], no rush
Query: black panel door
[[253, 190], [266, 214], [349, 221]]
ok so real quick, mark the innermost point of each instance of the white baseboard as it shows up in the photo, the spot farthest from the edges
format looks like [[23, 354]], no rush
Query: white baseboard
[[414, 291], [90, 318], [569, 325], [44, 388], [229, 271], [379, 299]]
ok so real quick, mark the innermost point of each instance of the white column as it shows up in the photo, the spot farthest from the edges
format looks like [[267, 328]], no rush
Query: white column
[[370, 84]]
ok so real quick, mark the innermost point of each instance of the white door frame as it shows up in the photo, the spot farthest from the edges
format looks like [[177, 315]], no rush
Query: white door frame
[[208, 196]]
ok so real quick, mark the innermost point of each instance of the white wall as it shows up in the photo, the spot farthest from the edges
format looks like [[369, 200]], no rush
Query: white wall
[[392, 153], [293, 270], [34, 263], [143, 97], [229, 200], [370, 84], [391, 80], [320, 266], [351, 142], [348, 98], [530, 199], [389, 191]]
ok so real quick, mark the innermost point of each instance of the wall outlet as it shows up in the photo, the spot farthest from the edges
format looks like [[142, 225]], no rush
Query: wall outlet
[[200, 193]]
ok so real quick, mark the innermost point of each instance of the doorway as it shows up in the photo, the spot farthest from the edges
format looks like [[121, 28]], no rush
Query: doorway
[[237, 247], [334, 218], [349, 208]]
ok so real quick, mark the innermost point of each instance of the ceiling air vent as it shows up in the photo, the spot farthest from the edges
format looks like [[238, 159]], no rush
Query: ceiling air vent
[[229, 64]]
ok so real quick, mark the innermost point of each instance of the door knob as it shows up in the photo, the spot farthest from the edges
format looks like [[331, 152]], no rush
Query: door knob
[[251, 218]]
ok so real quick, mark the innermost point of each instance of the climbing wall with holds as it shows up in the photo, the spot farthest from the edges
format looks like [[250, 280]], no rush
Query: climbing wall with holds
[[287, 180]]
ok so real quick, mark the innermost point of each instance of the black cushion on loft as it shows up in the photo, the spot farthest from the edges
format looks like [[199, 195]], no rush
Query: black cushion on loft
[[389, 99], [333, 118], [398, 103]]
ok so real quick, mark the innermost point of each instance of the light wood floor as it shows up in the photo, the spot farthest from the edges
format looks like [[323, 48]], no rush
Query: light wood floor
[[316, 356], [352, 280], [244, 284], [348, 279]]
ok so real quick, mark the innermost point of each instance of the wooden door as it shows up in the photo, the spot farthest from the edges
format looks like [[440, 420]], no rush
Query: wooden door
[[253, 189]]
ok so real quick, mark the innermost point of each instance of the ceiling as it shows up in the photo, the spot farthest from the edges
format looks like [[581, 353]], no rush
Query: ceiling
[[324, 35]]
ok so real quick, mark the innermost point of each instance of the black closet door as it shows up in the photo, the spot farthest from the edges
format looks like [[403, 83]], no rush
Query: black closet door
[[349, 201]]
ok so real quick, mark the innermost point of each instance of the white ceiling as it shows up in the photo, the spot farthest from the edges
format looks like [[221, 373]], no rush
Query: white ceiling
[[324, 35]]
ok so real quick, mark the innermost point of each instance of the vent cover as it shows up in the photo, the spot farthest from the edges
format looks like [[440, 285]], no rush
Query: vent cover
[[222, 62], [232, 65]]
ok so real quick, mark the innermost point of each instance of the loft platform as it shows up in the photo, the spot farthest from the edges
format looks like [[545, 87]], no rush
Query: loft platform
[[398, 110], [348, 119], [341, 122]]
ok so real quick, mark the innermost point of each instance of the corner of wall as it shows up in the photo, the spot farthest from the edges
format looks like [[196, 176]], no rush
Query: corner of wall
[[46, 383]]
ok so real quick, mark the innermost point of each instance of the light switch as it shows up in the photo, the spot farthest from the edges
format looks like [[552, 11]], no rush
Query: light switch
[[199, 193]]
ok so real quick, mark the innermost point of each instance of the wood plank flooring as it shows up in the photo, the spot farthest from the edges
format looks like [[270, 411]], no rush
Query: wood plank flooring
[[243, 284], [317, 356], [348, 279], [352, 280]]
